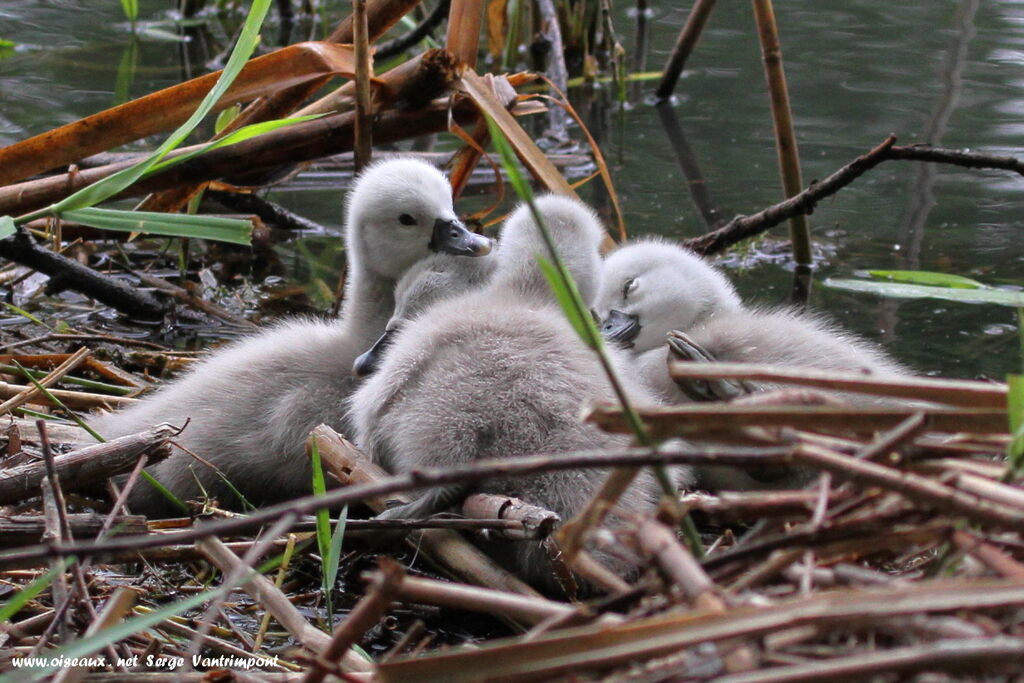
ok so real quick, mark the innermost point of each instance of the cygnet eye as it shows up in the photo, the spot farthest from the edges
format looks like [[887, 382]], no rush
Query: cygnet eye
[[407, 219], [630, 286]]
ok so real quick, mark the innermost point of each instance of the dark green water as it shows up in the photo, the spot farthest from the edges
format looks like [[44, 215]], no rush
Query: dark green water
[[949, 73]]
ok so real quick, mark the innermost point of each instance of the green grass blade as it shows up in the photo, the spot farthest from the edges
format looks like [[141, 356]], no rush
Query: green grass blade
[[927, 277], [234, 230], [334, 554], [131, 9], [323, 529], [22, 597], [564, 294], [240, 135], [1015, 408], [111, 185]]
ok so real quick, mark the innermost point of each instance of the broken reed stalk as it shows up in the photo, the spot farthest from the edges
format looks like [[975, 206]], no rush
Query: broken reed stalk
[[363, 147], [27, 394], [782, 120], [465, 18], [687, 41]]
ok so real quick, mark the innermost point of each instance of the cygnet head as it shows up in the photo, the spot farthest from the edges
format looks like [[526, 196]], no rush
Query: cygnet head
[[398, 212], [651, 287], [576, 233], [437, 277]]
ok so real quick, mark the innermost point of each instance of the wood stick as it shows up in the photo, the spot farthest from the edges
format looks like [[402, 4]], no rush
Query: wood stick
[[87, 466], [968, 393]]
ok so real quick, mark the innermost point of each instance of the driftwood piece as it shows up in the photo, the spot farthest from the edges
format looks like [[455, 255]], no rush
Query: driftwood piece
[[87, 466], [21, 529], [449, 549]]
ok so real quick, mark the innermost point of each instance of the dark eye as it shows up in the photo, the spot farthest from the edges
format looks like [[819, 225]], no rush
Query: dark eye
[[406, 219], [628, 287]]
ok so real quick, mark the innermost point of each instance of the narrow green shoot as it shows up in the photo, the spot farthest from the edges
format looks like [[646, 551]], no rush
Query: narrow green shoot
[[1015, 408], [323, 531], [578, 313], [84, 383], [131, 11], [22, 597], [25, 314]]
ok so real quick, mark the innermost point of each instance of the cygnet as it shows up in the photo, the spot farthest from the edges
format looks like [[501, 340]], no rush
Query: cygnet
[[250, 406]]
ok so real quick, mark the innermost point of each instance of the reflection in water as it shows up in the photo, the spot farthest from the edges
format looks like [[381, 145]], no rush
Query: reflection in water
[[921, 197], [688, 164]]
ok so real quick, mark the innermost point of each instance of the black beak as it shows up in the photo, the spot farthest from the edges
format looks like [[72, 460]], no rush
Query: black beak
[[451, 237], [367, 363], [621, 328]]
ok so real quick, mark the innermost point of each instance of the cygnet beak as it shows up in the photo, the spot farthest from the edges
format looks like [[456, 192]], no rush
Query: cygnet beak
[[367, 363], [452, 237], [621, 328]]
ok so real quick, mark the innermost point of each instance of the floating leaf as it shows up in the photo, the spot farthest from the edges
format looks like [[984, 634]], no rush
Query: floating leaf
[[895, 290], [927, 277], [234, 230]]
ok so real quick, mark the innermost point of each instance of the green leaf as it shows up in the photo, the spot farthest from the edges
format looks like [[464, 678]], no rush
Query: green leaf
[[24, 314], [894, 290], [323, 526], [233, 230], [509, 161], [565, 291], [7, 227], [6, 48], [927, 277], [226, 117], [111, 185], [334, 556], [22, 597], [1015, 408], [131, 9], [240, 135]]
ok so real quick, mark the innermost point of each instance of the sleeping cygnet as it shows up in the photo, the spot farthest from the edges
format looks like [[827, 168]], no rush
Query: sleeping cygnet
[[251, 405], [652, 288], [499, 373]]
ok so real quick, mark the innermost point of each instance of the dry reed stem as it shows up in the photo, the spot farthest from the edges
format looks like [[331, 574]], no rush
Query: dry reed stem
[[277, 603], [968, 393], [782, 120], [32, 392]]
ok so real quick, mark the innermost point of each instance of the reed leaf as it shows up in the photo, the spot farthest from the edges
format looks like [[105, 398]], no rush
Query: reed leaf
[[566, 292], [22, 597], [1015, 405], [240, 135], [323, 529], [7, 227], [234, 230]]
